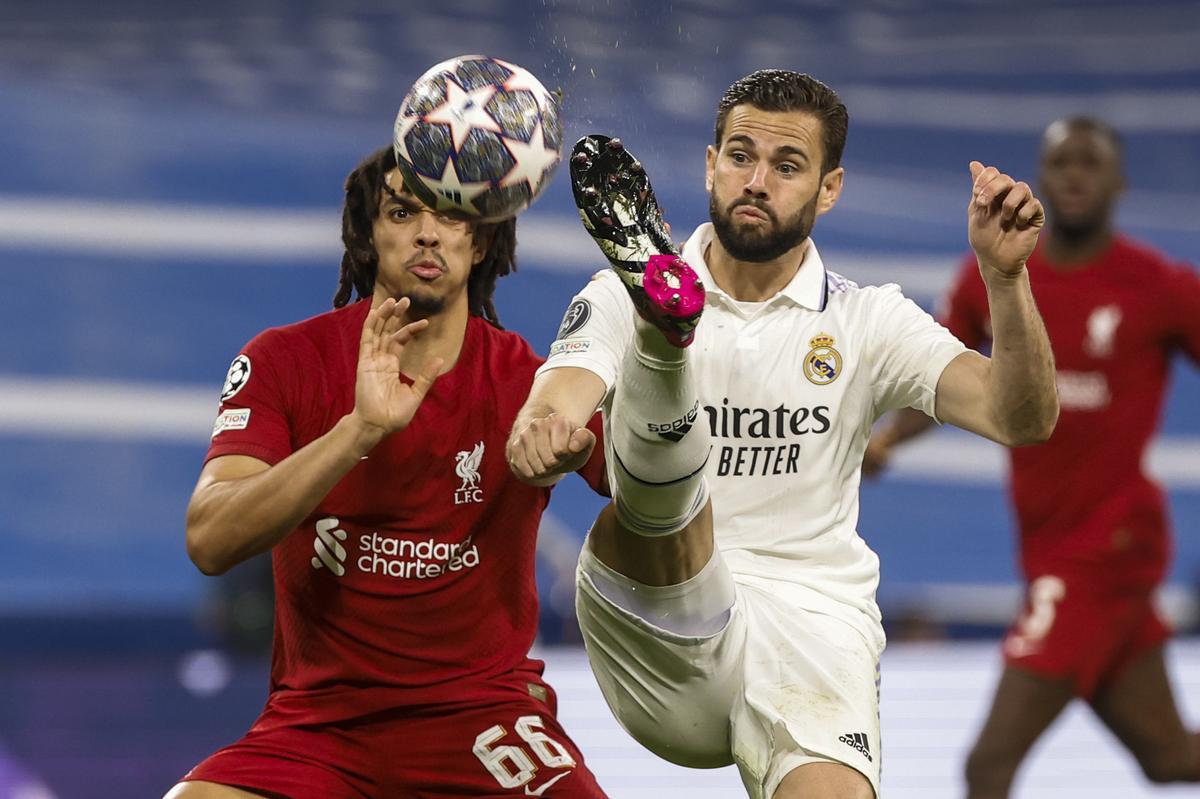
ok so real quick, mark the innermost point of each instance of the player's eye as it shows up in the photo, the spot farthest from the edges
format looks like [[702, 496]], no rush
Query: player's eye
[[739, 157], [398, 213], [788, 168]]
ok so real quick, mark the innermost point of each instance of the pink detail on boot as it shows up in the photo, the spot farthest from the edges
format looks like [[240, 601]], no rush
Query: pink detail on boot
[[674, 298], [672, 286]]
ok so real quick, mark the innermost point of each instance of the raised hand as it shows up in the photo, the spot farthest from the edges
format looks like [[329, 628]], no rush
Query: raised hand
[[1003, 220], [545, 448], [382, 400]]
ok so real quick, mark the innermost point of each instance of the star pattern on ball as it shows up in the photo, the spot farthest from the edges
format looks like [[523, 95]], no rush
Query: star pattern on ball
[[400, 132], [521, 79], [454, 195], [530, 161], [464, 110]]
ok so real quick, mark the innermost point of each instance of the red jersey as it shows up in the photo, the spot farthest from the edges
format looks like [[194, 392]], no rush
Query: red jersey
[[1083, 498], [413, 580]]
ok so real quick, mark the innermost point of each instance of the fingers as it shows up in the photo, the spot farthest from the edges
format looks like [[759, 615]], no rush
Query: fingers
[[546, 445], [1030, 214], [407, 333], [523, 456], [987, 182], [383, 320], [368, 344], [397, 333], [994, 192], [582, 440], [429, 373], [393, 315]]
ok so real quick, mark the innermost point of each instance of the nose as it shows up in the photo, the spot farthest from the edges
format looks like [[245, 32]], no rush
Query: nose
[[757, 185], [427, 232]]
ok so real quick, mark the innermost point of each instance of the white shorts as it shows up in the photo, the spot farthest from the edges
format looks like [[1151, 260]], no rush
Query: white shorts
[[777, 687]]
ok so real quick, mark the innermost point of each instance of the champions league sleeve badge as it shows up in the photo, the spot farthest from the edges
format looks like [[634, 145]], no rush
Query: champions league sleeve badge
[[823, 363], [237, 378], [575, 318]]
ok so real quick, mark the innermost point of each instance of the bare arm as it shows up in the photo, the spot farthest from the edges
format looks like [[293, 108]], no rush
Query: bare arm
[[550, 436], [1011, 397], [242, 506], [894, 429]]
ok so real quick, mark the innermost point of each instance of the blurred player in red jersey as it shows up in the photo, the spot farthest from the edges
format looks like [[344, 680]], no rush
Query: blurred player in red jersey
[[1094, 530], [365, 448]]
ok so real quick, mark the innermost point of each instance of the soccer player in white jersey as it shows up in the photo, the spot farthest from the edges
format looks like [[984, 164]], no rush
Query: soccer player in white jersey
[[726, 599]]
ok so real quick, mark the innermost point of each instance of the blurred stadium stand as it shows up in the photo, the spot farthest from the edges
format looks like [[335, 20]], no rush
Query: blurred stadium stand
[[171, 185]]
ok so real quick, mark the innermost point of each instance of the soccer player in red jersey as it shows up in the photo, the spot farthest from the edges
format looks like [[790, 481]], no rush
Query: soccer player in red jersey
[[365, 448], [1094, 530]]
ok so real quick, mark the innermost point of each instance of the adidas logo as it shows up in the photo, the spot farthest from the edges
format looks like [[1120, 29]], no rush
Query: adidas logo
[[857, 740], [676, 430]]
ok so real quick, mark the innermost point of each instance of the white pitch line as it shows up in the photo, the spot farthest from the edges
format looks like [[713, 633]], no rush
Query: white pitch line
[[166, 413], [247, 236], [106, 410], [286, 237]]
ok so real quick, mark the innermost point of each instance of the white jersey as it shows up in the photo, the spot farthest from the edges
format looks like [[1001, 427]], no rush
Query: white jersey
[[789, 389]]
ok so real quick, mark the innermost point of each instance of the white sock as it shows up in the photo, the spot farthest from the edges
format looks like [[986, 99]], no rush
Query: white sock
[[659, 437]]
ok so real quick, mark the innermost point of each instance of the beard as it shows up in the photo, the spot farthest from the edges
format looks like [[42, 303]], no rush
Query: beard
[[755, 246], [422, 305], [424, 301], [1077, 229]]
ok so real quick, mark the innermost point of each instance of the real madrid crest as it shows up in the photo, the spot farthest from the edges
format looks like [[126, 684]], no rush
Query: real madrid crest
[[823, 363]]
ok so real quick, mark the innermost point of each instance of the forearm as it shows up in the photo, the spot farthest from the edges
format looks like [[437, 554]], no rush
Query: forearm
[[902, 425], [1021, 392], [231, 520], [571, 392], [550, 437]]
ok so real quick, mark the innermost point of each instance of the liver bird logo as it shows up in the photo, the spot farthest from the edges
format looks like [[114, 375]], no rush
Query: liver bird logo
[[466, 466]]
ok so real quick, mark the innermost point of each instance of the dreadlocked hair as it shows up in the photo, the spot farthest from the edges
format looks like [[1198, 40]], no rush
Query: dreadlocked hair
[[360, 261], [499, 260]]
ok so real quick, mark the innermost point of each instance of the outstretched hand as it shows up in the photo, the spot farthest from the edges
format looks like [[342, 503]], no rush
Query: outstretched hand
[[382, 400], [1003, 220]]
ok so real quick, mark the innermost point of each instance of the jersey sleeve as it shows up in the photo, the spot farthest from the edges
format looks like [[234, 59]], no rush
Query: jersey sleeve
[[910, 352], [964, 310], [254, 411], [594, 472], [1181, 306], [596, 330]]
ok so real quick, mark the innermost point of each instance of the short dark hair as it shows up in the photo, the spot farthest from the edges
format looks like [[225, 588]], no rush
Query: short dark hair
[[1089, 124], [360, 261], [784, 90]]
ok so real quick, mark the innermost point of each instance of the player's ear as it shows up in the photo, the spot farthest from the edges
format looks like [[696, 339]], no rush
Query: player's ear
[[710, 163], [831, 189]]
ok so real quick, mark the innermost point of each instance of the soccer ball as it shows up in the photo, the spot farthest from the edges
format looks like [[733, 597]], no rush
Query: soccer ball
[[478, 136]]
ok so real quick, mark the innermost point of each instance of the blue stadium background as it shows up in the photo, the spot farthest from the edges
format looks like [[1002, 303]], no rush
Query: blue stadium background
[[171, 185]]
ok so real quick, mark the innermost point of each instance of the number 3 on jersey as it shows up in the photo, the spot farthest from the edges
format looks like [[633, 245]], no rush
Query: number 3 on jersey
[[511, 765]]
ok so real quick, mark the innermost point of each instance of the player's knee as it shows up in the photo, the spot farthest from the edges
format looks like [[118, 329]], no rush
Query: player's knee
[[824, 781]]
